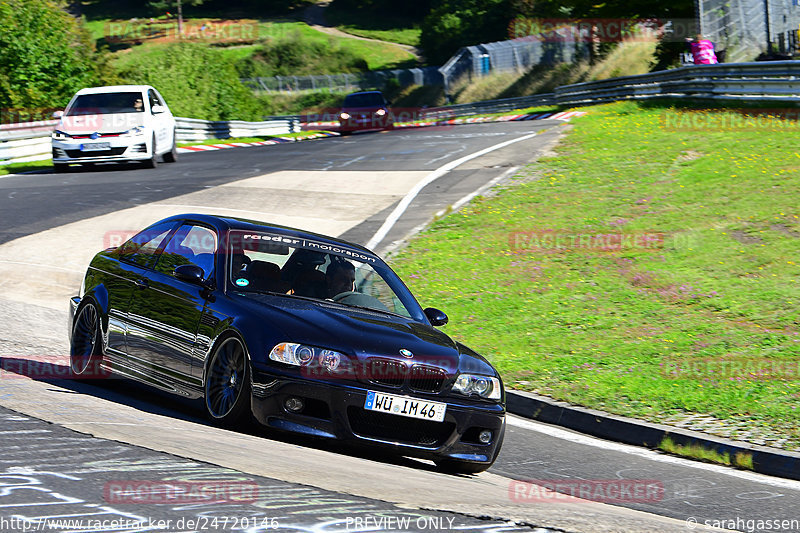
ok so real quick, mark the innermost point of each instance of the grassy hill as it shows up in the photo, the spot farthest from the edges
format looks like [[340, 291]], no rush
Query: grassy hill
[[673, 288]]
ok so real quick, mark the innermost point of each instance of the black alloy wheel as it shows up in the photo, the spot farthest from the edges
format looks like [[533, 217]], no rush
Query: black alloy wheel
[[227, 388], [86, 349]]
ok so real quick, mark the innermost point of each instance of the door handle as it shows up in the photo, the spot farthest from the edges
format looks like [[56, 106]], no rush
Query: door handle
[[142, 283]]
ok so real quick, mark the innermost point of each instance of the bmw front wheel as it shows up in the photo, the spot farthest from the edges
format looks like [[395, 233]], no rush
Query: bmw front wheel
[[227, 387]]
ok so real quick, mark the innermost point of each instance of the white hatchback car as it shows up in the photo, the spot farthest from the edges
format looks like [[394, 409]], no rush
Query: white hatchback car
[[116, 123]]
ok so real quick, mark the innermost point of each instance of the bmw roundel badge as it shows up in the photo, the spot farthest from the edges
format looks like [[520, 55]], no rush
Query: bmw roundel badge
[[406, 353]]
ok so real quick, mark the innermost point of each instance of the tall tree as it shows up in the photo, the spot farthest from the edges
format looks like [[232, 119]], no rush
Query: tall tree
[[45, 54], [452, 24], [165, 5]]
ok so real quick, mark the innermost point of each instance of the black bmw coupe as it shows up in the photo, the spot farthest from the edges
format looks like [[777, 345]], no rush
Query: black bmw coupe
[[307, 333]]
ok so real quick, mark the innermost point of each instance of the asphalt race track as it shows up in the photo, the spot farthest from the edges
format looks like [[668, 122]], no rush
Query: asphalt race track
[[110, 432]]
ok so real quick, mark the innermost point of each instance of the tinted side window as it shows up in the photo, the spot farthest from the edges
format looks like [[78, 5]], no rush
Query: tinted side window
[[190, 244], [141, 248], [154, 100]]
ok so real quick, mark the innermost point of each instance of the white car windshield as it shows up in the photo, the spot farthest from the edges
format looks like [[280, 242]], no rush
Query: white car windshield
[[106, 103], [260, 263]]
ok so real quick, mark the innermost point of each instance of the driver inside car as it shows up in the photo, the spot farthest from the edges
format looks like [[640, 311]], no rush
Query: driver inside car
[[340, 277]]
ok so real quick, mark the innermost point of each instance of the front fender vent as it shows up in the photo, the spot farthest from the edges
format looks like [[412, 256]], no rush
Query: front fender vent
[[209, 320]]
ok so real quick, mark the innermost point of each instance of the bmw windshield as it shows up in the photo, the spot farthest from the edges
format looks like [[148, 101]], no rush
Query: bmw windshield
[[266, 263]]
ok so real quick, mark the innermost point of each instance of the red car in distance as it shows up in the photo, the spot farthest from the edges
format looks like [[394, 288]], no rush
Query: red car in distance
[[365, 111]]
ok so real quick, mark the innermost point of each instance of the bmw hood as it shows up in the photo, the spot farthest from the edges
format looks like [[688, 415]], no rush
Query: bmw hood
[[361, 333]]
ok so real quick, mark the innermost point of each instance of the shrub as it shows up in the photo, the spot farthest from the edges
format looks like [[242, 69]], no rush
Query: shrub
[[456, 23], [293, 55], [196, 81]]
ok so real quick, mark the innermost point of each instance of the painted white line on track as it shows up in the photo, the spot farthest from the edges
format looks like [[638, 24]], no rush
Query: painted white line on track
[[395, 215], [203, 208], [21, 174], [456, 206], [651, 455], [39, 265]]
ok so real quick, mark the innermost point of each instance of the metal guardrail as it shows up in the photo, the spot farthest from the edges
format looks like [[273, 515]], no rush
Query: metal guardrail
[[20, 143], [488, 106], [777, 82], [191, 129]]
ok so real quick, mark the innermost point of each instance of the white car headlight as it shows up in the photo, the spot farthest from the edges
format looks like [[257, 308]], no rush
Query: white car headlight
[[138, 130], [303, 355], [60, 135], [484, 386]]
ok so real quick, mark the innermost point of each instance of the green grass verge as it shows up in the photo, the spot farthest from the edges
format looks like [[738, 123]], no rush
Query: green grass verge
[[608, 329], [16, 168], [300, 135], [699, 452], [376, 54], [382, 27]]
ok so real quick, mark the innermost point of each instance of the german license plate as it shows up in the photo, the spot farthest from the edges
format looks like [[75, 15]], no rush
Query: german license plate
[[91, 147], [405, 406]]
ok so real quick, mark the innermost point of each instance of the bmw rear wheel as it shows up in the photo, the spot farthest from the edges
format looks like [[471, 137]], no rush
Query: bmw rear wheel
[[86, 350], [227, 388]]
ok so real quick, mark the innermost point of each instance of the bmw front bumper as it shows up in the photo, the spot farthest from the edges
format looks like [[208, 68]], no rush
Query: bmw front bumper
[[337, 411]]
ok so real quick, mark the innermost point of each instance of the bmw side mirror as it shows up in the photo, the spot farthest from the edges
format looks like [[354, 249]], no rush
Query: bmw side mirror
[[436, 317], [158, 109], [58, 114], [190, 273]]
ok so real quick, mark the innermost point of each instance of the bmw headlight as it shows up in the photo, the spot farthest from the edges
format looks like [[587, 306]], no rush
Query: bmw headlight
[[58, 135], [138, 130], [303, 355], [484, 386]]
